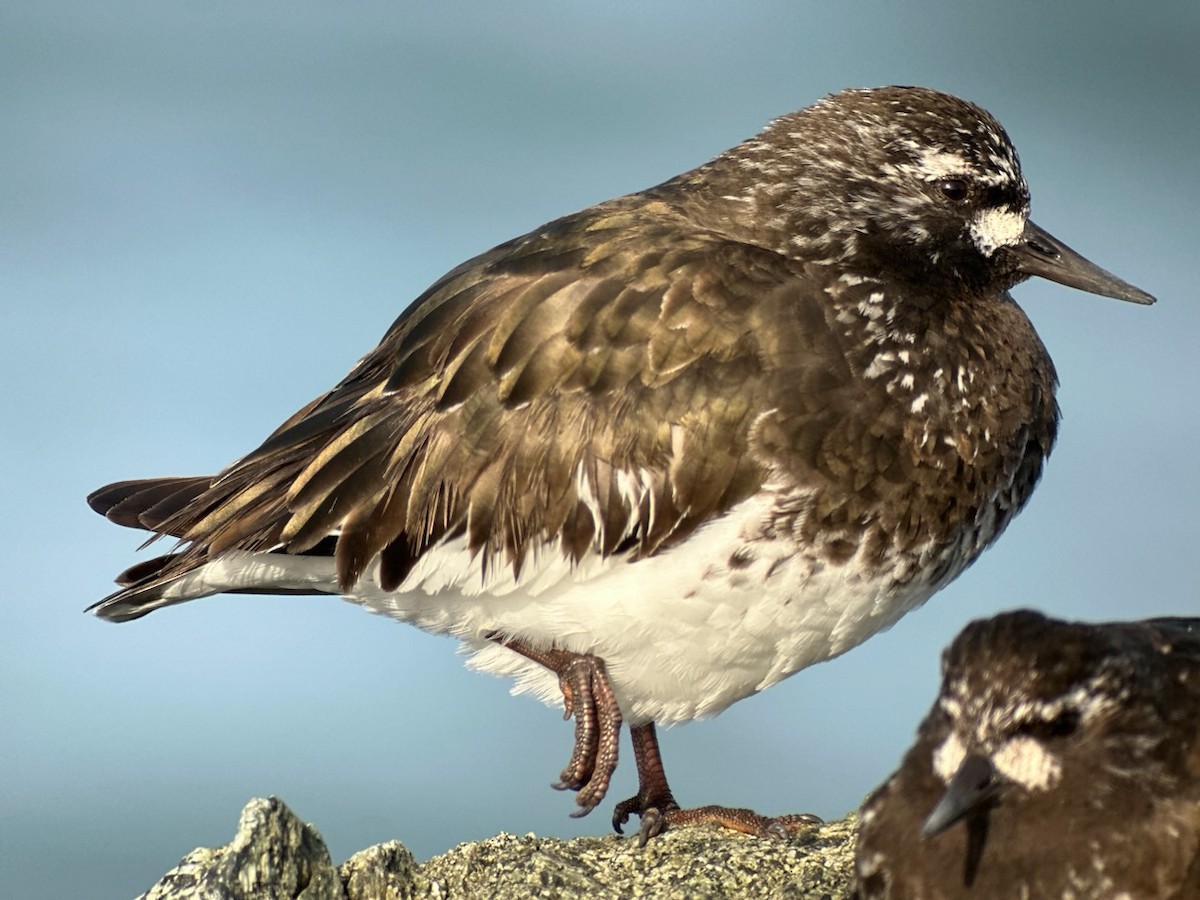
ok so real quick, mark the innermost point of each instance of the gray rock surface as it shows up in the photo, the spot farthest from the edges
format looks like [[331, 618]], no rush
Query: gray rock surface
[[275, 855]]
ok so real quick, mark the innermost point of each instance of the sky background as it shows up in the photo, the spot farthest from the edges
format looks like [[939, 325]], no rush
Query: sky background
[[208, 212]]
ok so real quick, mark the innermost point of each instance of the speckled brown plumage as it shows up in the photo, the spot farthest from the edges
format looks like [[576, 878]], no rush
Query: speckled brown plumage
[[734, 353], [786, 388]]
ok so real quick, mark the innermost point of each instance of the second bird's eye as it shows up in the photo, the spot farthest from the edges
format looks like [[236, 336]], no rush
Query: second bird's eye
[[1062, 725], [954, 189]]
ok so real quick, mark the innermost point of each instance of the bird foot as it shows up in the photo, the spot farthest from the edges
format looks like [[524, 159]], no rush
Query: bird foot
[[656, 818], [656, 806], [588, 697]]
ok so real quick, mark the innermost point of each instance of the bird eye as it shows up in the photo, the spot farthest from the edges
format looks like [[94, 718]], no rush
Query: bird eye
[[1062, 725], [954, 189]]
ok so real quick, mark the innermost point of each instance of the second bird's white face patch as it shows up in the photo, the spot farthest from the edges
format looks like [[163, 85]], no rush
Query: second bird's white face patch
[[1022, 760], [948, 757], [994, 228], [1025, 761]]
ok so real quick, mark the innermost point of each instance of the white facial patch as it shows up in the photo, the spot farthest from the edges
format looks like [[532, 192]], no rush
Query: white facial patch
[[935, 164], [1027, 762], [948, 757], [995, 228]]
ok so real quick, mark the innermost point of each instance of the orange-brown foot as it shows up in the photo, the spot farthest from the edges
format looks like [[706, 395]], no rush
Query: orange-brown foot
[[658, 809], [588, 697], [655, 821]]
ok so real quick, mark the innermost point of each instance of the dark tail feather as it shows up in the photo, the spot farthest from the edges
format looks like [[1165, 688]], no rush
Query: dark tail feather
[[145, 571], [147, 502], [170, 506], [125, 606], [142, 586]]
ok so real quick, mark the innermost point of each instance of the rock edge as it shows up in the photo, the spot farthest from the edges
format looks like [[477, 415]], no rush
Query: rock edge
[[276, 855]]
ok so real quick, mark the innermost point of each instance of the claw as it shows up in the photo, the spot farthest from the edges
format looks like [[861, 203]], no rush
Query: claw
[[653, 824], [777, 831], [588, 697], [622, 811], [782, 828]]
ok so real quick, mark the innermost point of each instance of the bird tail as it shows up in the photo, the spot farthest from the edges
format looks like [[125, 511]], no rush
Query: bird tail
[[148, 503], [152, 504]]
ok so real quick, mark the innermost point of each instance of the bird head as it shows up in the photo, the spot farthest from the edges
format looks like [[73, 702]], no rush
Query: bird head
[[905, 182], [1021, 697]]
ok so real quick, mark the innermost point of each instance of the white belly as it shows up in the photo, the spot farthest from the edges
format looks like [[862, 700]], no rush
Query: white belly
[[683, 634]]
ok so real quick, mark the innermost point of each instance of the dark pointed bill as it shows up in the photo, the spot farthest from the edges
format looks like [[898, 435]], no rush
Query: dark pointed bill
[[975, 783], [1040, 253]]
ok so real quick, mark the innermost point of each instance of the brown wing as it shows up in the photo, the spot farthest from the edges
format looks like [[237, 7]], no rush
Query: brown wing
[[605, 344]]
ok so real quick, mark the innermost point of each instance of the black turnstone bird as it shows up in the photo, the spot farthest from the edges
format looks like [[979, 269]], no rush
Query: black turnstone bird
[[1060, 760], [656, 456]]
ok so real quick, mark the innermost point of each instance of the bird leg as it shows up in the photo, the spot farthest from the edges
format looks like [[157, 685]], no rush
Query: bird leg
[[657, 808], [588, 697]]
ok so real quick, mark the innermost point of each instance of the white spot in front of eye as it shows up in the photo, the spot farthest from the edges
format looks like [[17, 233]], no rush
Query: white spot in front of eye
[[994, 228]]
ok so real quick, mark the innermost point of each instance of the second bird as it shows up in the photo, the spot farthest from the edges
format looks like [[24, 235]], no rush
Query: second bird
[[1060, 760], [655, 456]]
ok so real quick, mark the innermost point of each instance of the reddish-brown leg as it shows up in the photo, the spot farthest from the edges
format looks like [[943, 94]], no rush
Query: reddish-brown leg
[[658, 810], [588, 697]]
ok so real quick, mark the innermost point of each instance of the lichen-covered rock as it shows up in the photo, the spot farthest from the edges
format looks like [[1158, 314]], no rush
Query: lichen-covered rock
[[383, 872], [685, 863], [275, 855]]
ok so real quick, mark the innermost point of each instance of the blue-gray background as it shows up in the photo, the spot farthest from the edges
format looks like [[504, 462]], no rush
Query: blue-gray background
[[208, 212]]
